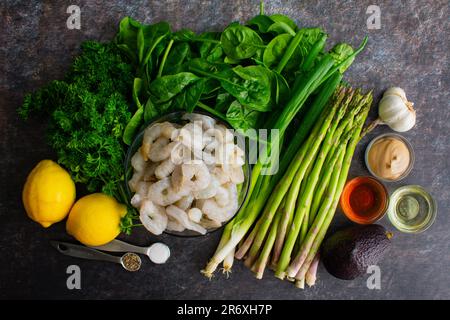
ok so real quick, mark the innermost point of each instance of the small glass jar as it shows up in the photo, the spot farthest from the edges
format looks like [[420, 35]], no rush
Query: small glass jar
[[412, 209], [394, 136], [364, 200]]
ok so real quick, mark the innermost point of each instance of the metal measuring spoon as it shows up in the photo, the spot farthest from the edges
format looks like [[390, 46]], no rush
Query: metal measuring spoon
[[158, 252], [129, 261]]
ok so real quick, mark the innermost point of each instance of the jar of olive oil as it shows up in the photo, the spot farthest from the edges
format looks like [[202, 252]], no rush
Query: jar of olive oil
[[412, 209]]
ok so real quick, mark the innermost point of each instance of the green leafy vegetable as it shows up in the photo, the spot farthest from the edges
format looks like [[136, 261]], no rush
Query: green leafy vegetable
[[167, 87], [240, 42], [88, 112], [241, 117], [341, 52], [275, 49]]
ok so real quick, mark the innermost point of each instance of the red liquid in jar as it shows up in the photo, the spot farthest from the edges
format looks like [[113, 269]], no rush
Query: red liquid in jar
[[364, 200]]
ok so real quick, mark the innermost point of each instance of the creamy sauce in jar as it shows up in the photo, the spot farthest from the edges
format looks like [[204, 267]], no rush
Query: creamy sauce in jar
[[389, 158]]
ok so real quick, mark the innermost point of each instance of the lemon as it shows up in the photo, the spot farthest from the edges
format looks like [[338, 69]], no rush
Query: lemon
[[48, 193], [94, 219]]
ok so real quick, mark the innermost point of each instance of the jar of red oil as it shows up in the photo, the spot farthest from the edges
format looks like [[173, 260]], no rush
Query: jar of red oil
[[364, 200]]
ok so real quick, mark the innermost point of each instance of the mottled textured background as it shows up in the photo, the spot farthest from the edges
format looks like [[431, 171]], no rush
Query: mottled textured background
[[411, 50]]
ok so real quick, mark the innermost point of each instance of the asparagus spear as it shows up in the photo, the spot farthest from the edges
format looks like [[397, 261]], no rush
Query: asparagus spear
[[326, 212], [302, 161], [311, 275], [261, 263], [306, 197]]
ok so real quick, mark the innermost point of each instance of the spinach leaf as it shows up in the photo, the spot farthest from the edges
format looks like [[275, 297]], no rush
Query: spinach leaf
[[188, 99], [240, 117], [262, 23], [150, 110], [284, 20], [153, 35], [167, 87], [275, 49], [211, 51], [180, 52], [183, 35], [280, 28], [340, 52], [240, 42], [206, 66], [126, 38], [250, 85], [223, 101], [132, 126], [137, 88]]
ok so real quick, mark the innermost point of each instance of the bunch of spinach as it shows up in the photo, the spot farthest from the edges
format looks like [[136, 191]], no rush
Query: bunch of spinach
[[242, 75]]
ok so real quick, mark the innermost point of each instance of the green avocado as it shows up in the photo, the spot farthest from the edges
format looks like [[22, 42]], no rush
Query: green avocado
[[347, 253]]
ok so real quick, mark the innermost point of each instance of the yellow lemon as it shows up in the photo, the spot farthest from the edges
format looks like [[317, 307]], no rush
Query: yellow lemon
[[94, 219], [48, 194]]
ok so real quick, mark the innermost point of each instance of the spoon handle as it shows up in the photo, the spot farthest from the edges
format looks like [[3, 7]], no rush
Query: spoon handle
[[83, 252], [120, 246]]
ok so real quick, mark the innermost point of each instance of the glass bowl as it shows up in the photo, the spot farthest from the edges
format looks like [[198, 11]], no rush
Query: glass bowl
[[412, 209], [176, 117], [398, 137], [366, 186]]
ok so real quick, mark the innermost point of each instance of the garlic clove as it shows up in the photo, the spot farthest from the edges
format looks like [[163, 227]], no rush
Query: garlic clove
[[396, 91], [406, 123], [396, 112]]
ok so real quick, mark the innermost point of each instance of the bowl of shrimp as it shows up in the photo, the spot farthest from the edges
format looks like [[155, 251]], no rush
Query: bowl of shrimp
[[187, 174]]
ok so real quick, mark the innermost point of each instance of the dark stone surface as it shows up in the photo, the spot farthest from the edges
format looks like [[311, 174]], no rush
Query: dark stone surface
[[411, 50]]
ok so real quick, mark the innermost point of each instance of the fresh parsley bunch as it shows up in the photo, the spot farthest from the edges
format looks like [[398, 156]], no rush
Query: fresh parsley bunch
[[88, 112]]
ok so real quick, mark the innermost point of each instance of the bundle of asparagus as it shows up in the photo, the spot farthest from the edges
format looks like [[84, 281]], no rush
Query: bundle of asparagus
[[295, 218]]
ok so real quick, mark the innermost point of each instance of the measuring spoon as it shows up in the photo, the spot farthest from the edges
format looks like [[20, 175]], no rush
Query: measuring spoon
[[83, 252], [158, 252]]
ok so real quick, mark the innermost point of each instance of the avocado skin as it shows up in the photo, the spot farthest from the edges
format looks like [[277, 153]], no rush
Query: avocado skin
[[347, 253]]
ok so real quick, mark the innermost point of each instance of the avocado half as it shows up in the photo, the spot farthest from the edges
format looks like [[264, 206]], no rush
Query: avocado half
[[347, 253]]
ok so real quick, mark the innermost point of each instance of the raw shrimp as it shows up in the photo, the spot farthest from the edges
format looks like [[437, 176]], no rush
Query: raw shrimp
[[136, 200], [168, 130], [209, 224], [182, 217], [191, 136], [236, 174], [151, 134], [164, 169], [197, 173], [133, 182], [180, 154], [185, 202], [219, 213], [222, 196], [149, 172], [174, 225], [138, 162], [208, 192], [141, 194], [230, 155], [153, 217], [195, 214], [204, 156], [207, 122], [224, 135], [162, 149], [163, 194], [220, 175]]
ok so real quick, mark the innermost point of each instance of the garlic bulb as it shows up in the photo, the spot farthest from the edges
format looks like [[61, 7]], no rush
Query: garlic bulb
[[396, 111]]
